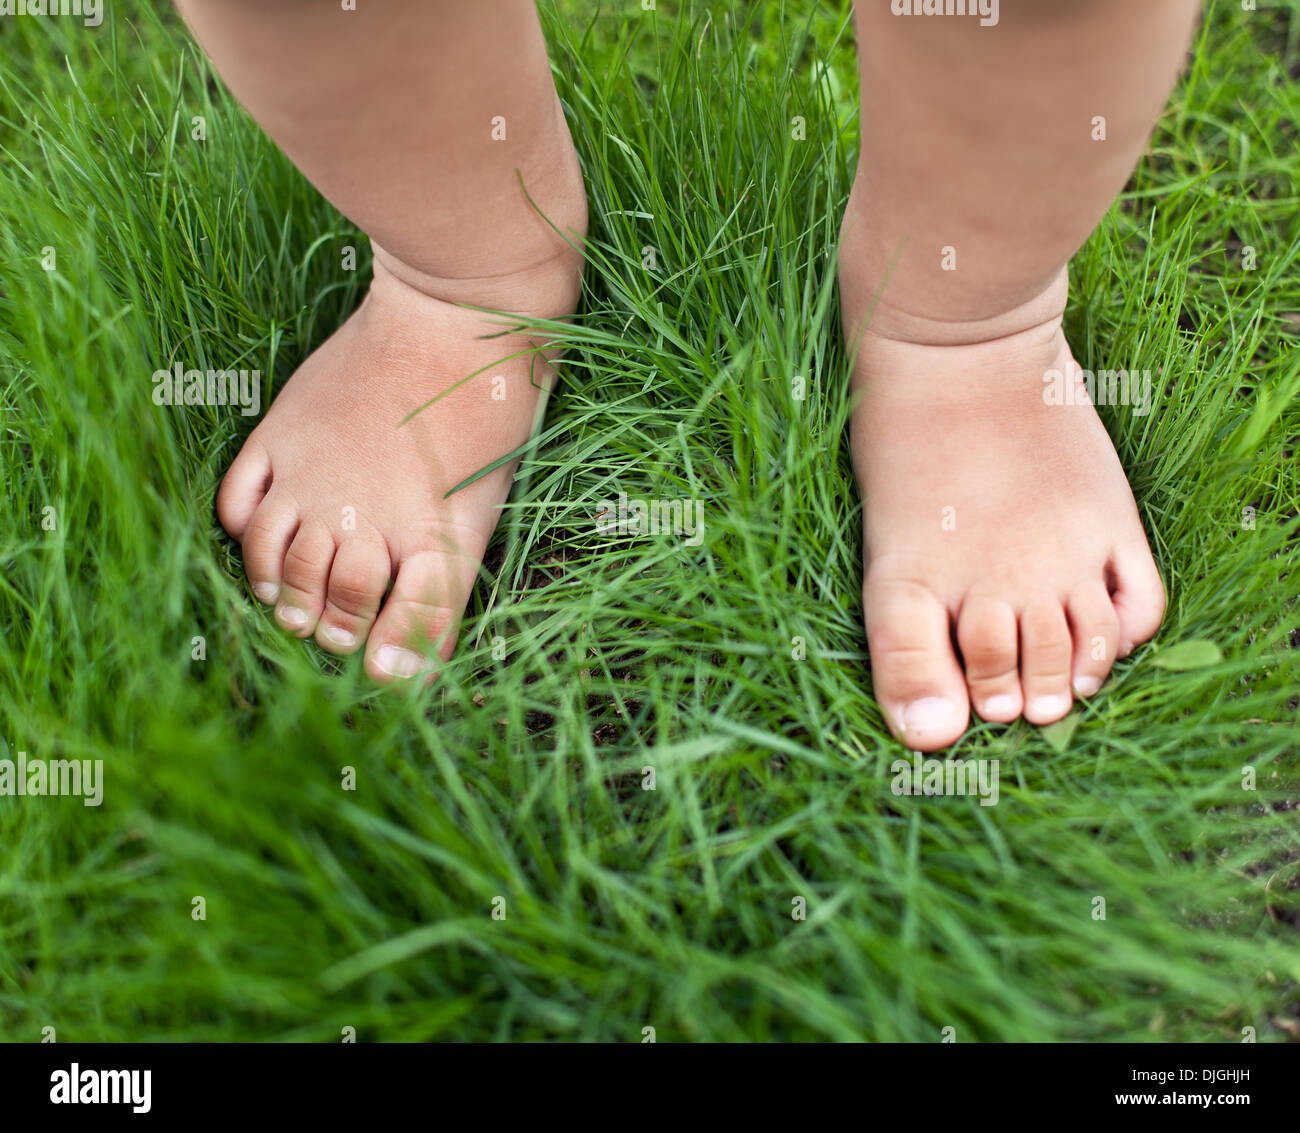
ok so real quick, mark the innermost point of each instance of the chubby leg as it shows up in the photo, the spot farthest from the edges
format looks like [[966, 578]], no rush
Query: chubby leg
[[1006, 566], [429, 125]]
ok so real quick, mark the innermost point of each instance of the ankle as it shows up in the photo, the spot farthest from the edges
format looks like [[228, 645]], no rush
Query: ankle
[[1036, 320], [545, 288], [519, 251], [891, 288]]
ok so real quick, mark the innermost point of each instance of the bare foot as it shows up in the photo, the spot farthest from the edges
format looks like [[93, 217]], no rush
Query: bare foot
[[336, 492], [1006, 566]]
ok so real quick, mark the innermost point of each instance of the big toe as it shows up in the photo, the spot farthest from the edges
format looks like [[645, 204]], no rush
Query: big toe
[[917, 680], [421, 616]]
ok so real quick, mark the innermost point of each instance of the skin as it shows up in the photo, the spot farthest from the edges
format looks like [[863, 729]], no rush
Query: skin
[[1005, 563], [1006, 566], [389, 111]]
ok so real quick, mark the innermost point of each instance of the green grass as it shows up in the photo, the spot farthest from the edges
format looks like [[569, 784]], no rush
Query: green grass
[[521, 777]]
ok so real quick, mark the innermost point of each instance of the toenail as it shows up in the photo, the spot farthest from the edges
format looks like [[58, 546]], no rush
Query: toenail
[[266, 592], [339, 637], [928, 712], [1126, 648], [398, 662], [999, 705], [1086, 686], [1050, 705], [291, 616]]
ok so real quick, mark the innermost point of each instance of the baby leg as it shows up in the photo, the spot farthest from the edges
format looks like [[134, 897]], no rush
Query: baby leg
[[1005, 563], [429, 125]]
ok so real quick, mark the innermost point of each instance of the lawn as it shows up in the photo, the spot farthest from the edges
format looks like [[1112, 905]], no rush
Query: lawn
[[283, 851]]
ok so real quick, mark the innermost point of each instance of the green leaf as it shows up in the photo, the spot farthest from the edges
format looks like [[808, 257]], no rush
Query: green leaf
[[1189, 655], [1058, 735]]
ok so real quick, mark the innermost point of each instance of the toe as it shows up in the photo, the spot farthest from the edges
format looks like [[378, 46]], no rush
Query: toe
[[1139, 597], [305, 574], [265, 540], [1094, 626], [986, 633], [357, 580], [421, 615], [243, 488], [1045, 656], [914, 671]]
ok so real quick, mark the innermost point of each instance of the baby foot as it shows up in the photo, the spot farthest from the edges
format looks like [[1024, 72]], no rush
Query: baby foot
[[340, 490], [1006, 566]]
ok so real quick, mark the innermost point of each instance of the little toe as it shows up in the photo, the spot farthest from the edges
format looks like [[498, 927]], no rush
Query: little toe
[[265, 540], [243, 488], [1139, 597], [914, 671], [1094, 627], [1045, 656], [987, 636], [304, 577], [357, 580]]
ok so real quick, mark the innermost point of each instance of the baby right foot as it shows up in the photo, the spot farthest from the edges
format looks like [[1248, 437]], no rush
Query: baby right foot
[[436, 128], [336, 492]]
